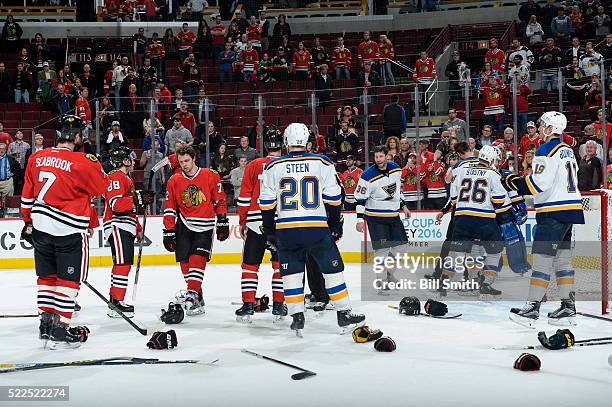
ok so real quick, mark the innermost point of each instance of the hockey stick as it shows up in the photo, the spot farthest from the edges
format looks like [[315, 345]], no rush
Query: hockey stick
[[431, 316], [162, 163], [594, 316], [19, 316], [297, 376], [21, 367], [518, 347], [142, 331]]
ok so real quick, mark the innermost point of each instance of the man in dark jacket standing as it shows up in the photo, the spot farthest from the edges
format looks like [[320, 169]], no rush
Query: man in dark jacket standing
[[5, 82], [452, 74], [323, 85], [394, 119]]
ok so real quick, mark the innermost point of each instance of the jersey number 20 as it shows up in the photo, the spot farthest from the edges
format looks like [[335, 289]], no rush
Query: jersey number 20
[[306, 190]]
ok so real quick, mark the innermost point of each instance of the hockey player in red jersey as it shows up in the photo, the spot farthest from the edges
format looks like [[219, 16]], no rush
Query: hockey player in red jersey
[[254, 241], [349, 179], [56, 205], [121, 225], [193, 198]]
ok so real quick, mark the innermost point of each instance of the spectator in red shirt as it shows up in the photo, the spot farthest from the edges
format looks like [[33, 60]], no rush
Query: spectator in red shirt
[[218, 36], [4, 136], [426, 156], [522, 107], [529, 141], [187, 118], [598, 125], [185, 39], [151, 10]]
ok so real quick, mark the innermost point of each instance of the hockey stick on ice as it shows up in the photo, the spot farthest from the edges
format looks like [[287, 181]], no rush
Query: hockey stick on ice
[[21, 367], [159, 165], [431, 316], [20, 316], [297, 376], [519, 347], [142, 331], [594, 316]]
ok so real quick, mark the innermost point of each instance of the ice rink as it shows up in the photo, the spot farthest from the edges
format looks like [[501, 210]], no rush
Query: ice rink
[[437, 362]]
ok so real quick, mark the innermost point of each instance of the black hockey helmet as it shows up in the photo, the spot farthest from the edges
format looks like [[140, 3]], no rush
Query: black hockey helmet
[[410, 306], [273, 139], [69, 127], [119, 154]]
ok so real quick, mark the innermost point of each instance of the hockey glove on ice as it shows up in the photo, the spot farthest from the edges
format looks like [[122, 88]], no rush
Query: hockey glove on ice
[[261, 304], [436, 308], [174, 315], [163, 340], [26, 232], [363, 334], [169, 240], [561, 340], [222, 227], [527, 362]]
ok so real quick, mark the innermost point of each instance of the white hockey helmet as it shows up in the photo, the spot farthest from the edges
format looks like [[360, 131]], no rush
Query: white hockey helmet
[[489, 154], [296, 135], [557, 121]]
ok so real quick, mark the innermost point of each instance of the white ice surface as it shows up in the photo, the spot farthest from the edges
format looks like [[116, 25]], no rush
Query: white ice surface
[[437, 362]]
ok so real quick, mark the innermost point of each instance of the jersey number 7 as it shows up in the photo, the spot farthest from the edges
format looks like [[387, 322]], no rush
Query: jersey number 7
[[47, 178]]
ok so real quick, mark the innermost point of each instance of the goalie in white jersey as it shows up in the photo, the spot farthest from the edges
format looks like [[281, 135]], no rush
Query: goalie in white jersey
[[302, 189], [480, 201], [558, 205]]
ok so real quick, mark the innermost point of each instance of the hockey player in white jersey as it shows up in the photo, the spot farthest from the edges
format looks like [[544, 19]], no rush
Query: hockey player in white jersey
[[379, 199], [558, 205], [302, 189], [480, 200]]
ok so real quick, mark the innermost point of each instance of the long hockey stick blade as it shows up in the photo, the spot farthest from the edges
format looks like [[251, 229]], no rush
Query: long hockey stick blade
[[542, 347], [297, 376], [607, 338], [142, 331], [20, 316], [584, 314], [161, 163], [22, 367]]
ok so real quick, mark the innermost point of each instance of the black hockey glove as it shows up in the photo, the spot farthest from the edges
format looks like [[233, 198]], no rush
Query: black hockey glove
[[270, 235], [170, 239], [436, 308], [561, 340], [509, 182], [261, 304], [142, 199], [174, 315], [26, 232], [223, 230], [163, 340], [336, 229]]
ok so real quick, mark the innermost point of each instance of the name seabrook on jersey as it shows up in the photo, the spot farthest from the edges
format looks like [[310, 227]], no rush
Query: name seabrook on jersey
[[54, 162]]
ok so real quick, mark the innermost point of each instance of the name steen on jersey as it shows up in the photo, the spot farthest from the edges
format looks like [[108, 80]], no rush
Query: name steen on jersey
[[297, 167], [54, 162]]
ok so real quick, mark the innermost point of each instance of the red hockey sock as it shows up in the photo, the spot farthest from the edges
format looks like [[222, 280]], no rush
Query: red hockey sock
[[248, 282], [46, 294], [65, 294], [119, 281], [278, 295], [195, 274], [185, 269]]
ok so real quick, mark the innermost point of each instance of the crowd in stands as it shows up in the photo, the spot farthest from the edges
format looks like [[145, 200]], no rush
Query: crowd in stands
[[136, 102]]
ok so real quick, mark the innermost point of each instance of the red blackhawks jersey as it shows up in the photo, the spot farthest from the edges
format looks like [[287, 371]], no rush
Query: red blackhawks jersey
[[424, 71], [301, 61], [434, 179], [367, 51], [341, 57], [349, 179], [496, 58], [250, 58], [410, 181], [248, 206], [529, 144], [119, 209], [386, 51], [494, 99], [254, 32], [58, 188], [195, 200]]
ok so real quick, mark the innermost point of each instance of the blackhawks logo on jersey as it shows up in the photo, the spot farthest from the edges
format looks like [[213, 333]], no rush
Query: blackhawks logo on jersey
[[349, 182], [411, 179], [321, 56], [423, 68], [433, 177], [345, 147], [302, 57], [367, 50], [493, 95], [493, 61], [192, 196]]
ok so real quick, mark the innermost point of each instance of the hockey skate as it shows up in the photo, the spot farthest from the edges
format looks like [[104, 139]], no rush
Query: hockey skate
[[64, 337], [348, 321], [488, 292], [126, 309], [298, 324], [45, 327], [77, 307], [526, 316], [245, 313], [565, 315], [194, 303], [279, 310]]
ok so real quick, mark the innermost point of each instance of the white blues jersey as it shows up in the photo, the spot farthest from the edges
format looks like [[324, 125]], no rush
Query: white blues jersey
[[469, 161], [379, 193], [299, 185], [554, 182], [477, 191]]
